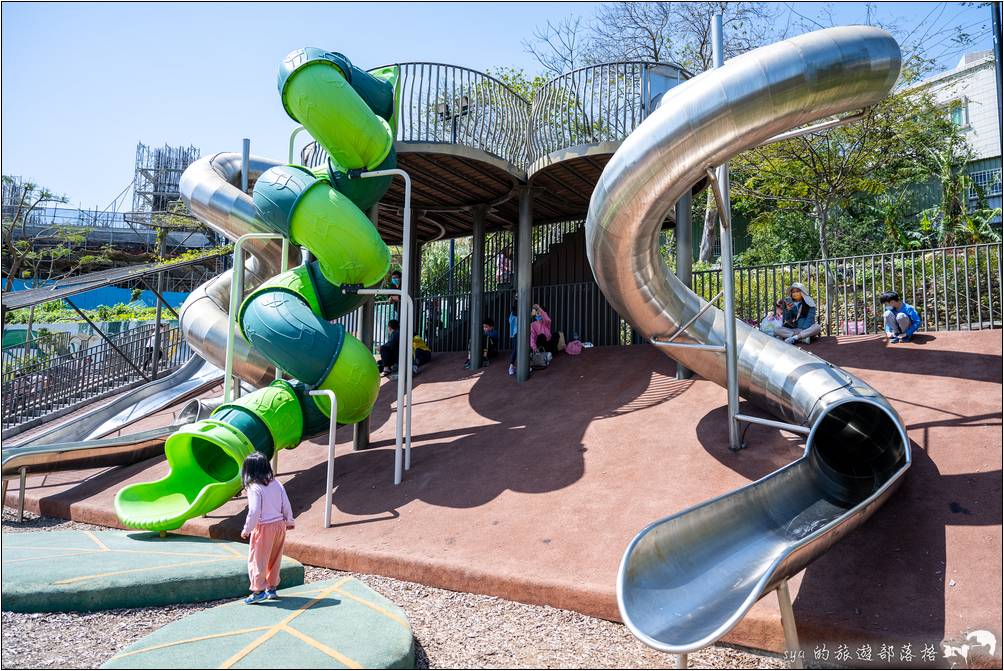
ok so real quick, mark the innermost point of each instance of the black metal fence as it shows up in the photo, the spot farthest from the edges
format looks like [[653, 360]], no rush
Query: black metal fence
[[500, 259], [952, 288], [37, 387]]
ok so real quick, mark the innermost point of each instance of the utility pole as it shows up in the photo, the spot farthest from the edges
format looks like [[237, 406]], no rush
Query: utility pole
[[995, 15]]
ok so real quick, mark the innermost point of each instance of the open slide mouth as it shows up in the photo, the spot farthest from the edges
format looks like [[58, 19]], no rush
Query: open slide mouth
[[856, 448]]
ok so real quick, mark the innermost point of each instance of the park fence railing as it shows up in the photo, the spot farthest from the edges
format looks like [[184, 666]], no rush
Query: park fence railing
[[500, 259], [41, 387], [952, 288]]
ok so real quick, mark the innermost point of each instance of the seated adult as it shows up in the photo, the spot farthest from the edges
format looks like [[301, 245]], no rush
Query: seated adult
[[390, 349], [541, 335], [799, 316], [421, 353], [489, 343], [901, 319]]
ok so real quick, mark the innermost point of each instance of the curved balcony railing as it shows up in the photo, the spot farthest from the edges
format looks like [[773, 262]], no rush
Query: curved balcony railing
[[447, 104], [453, 105], [597, 103]]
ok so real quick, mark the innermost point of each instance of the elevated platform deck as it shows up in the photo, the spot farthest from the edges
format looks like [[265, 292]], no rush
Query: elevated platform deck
[[531, 492]]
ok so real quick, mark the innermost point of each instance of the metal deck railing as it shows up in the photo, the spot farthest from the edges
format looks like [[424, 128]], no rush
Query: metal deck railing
[[42, 386], [597, 103], [453, 105]]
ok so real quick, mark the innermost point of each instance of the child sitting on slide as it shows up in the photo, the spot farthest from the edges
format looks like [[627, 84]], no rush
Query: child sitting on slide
[[773, 319], [269, 515]]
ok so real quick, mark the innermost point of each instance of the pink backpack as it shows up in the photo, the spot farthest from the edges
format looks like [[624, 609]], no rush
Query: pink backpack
[[574, 348]]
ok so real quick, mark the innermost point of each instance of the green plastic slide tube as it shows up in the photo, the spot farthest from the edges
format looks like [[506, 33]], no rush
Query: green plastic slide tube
[[205, 460], [316, 91]]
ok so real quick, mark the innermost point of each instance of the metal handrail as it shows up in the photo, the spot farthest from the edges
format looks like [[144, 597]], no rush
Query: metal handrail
[[35, 390], [596, 103], [453, 105]]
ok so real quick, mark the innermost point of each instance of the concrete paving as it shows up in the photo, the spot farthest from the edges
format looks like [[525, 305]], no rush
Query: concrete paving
[[531, 492], [334, 624], [59, 571]]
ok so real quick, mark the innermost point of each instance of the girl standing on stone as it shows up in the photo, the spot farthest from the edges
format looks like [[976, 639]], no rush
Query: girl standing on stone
[[269, 515]]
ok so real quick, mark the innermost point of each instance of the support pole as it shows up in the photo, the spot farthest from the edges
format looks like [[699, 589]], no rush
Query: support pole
[[415, 253], [788, 623], [478, 214], [155, 364], [329, 482], [245, 163], [524, 273], [681, 660], [232, 383], [160, 296], [402, 447], [107, 339], [367, 319], [720, 184], [684, 258]]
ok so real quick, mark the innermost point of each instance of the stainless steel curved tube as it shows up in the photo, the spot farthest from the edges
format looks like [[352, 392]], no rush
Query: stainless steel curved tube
[[210, 189], [686, 580]]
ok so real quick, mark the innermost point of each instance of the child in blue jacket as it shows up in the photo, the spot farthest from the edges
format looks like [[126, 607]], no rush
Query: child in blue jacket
[[901, 319]]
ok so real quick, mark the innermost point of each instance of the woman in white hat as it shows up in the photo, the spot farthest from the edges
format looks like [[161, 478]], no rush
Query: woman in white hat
[[799, 316]]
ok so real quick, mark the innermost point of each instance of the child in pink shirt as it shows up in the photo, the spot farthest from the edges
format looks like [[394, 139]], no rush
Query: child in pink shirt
[[269, 515], [540, 326]]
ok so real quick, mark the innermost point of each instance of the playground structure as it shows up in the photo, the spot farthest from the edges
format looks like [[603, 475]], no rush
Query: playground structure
[[687, 579], [286, 309], [284, 321]]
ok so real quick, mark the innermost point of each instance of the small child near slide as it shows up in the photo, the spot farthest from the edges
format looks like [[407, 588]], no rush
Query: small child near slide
[[269, 515]]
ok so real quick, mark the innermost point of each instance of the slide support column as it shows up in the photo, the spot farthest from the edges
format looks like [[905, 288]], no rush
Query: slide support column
[[524, 272], [361, 430], [478, 213], [720, 185], [684, 258]]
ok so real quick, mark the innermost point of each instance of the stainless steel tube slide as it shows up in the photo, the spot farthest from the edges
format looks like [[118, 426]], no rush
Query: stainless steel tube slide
[[210, 188], [686, 580]]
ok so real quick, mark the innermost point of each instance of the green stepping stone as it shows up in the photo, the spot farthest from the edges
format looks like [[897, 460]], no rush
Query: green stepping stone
[[336, 624], [57, 571]]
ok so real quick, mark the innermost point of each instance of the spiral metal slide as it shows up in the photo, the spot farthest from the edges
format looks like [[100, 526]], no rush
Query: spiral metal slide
[[687, 579], [284, 321]]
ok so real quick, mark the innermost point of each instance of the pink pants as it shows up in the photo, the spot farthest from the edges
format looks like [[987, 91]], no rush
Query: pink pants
[[265, 554]]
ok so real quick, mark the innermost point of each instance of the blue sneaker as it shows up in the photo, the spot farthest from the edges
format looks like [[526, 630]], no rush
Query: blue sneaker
[[257, 597], [270, 594]]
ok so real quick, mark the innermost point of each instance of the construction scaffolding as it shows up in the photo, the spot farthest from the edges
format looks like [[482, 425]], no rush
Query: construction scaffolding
[[156, 198], [158, 172]]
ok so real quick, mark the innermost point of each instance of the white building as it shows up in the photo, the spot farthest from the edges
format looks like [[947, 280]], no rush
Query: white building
[[971, 85]]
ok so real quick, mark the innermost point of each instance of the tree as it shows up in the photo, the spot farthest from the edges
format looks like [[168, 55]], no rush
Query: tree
[[37, 252], [175, 218], [660, 32], [559, 47], [22, 203], [821, 174]]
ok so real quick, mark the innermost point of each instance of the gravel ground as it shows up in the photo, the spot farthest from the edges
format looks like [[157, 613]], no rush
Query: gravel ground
[[452, 629]]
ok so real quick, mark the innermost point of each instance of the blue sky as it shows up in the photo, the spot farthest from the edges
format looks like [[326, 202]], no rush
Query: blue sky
[[83, 83]]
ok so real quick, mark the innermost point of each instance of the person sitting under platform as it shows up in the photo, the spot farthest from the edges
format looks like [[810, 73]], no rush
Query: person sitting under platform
[[389, 350]]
